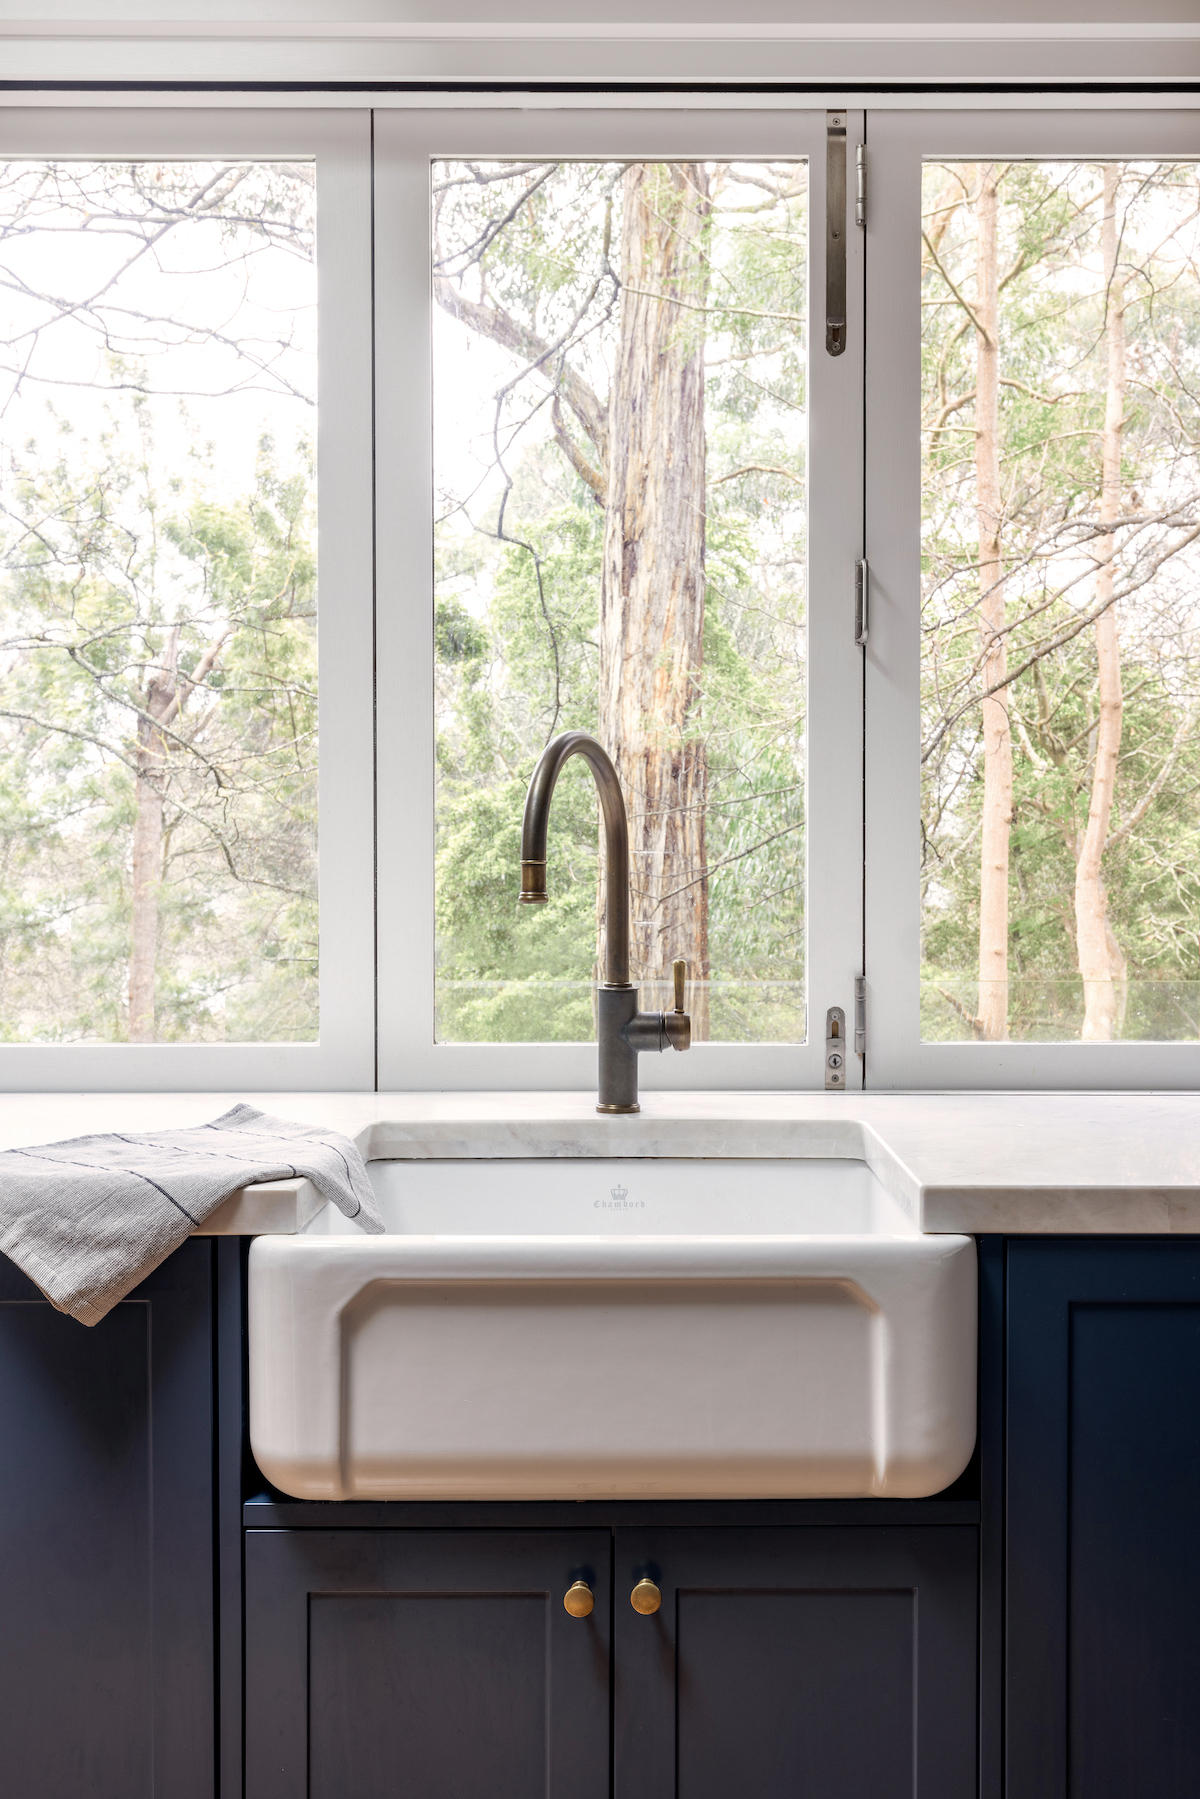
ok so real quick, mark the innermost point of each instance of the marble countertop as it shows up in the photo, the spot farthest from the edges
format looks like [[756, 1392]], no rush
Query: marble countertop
[[1033, 1162]]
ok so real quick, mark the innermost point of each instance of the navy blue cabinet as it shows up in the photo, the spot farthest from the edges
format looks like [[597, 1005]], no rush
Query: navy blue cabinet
[[1102, 1589], [106, 1541], [836, 1663], [439, 1664]]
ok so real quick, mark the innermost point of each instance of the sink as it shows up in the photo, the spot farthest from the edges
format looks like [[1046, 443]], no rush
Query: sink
[[573, 1328]]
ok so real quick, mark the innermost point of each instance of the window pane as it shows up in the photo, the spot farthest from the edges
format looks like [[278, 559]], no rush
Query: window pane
[[158, 587], [620, 421], [1061, 625]]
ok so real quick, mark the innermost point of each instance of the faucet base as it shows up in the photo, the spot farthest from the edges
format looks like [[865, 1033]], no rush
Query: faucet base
[[616, 1007]]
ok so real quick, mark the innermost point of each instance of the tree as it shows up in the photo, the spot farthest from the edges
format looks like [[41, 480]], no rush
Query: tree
[[652, 587], [1093, 654], [656, 312], [997, 741], [1100, 957], [159, 706], [157, 687]]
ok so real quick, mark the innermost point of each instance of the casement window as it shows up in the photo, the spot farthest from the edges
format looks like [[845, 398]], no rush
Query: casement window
[[350, 455], [1033, 529], [646, 512], [187, 817]]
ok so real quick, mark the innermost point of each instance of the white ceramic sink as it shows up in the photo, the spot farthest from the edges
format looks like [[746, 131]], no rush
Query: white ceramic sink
[[579, 1328]]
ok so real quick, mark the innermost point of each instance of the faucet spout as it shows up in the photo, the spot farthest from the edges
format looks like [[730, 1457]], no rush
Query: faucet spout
[[616, 841], [622, 1031]]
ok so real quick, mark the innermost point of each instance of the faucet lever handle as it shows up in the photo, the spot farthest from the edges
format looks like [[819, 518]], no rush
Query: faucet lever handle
[[676, 1026]]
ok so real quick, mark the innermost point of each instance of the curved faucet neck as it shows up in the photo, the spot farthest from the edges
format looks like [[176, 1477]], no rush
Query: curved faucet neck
[[616, 838]]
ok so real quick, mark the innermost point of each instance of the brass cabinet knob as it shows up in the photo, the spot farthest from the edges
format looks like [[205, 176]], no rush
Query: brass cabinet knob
[[579, 1599], [645, 1597]]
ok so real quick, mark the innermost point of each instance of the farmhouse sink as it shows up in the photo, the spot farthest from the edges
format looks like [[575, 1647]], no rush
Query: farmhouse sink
[[586, 1328]]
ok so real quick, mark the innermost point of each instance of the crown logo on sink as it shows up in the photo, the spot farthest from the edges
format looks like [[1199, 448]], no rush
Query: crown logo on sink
[[618, 1192]]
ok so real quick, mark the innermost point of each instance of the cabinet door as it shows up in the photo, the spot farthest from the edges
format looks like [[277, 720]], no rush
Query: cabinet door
[[106, 1533], [833, 1663], [437, 1664], [1103, 1531]]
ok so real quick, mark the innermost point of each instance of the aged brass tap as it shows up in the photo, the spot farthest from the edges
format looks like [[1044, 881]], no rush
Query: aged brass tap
[[622, 1030]]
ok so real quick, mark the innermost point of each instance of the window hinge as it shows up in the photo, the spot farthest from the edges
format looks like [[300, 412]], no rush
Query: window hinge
[[862, 602], [860, 1014], [860, 185]]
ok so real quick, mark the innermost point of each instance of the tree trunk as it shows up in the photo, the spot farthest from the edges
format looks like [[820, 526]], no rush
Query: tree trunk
[[1097, 964], [652, 584], [997, 740], [160, 703], [167, 692]]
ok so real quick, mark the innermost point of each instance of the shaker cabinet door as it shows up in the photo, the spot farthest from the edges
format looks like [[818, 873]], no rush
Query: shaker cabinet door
[[106, 1541], [436, 1664], [825, 1662], [1103, 1544]]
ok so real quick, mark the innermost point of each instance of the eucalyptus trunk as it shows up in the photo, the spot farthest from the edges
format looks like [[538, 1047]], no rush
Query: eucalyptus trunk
[[652, 584], [997, 740], [1103, 971]]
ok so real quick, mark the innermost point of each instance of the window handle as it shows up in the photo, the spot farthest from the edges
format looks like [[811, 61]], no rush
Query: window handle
[[835, 232], [862, 602]]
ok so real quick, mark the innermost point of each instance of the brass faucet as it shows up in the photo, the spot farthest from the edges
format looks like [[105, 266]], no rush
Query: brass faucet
[[623, 1032]]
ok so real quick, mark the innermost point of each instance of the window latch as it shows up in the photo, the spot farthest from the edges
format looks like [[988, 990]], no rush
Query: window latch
[[835, 1049]]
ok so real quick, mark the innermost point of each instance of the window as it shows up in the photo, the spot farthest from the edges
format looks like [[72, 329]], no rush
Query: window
[[583, 457], [159, 601], [620, 531], [174, 898], [623, 528], [1044, 687]]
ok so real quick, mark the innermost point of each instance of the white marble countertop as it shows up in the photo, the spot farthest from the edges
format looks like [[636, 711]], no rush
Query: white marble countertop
[[1033, 1162]]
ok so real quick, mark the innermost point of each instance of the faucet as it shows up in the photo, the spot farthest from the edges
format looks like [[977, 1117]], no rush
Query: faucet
[[622, 1031]]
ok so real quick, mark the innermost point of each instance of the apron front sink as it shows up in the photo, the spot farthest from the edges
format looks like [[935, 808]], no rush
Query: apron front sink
[[587, 1328]]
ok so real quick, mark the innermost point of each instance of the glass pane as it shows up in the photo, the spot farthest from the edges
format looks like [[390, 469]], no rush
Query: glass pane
[[1061, 623], [620, 424], [158, 594]]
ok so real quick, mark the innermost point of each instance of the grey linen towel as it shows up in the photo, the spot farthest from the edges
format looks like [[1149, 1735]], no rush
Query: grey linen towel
[[89, 1218]]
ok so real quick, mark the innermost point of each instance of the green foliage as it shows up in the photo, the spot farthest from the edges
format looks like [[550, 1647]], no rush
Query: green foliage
[[1052, 355], [102, 575], [527, 604], [158, 599]]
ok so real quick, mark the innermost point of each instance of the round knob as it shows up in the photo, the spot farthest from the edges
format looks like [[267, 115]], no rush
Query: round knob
[[579, 1599], [645, 1597]]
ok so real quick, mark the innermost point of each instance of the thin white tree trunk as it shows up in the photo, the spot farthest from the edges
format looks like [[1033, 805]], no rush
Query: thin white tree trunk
[[652, 584], [997, 738], [1101, 971], [159, 704], [167, 692]]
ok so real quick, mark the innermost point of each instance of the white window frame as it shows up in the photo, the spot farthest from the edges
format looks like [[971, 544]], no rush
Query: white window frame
[[344, 1056], [406, 143], [898, 142]]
